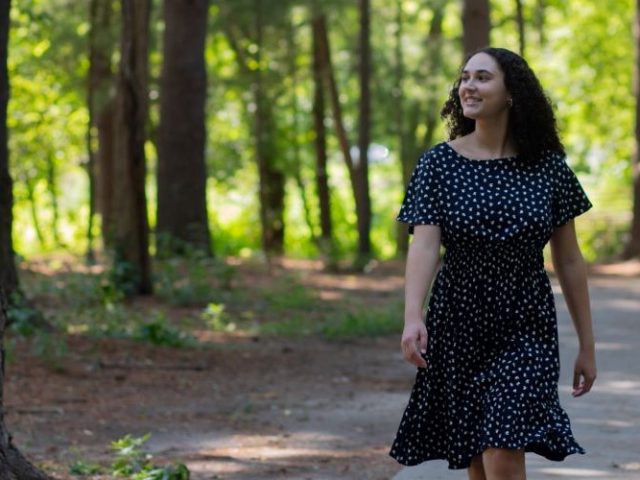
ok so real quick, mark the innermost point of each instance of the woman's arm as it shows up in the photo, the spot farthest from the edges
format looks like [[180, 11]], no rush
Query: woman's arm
[[572, 274], [422, 261]]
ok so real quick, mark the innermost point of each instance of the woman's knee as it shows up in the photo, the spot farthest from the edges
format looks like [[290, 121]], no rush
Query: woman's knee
[[476, 470], [504, 464]]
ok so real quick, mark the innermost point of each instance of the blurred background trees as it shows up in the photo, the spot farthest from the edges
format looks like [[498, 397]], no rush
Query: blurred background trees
[[269, 127]]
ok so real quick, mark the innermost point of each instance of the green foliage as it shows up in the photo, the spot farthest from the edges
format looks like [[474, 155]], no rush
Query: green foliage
[[601, 237], [216, 318], [368, 322], [47, 116], [22, 317], [81, 467], [158, 331], [133, 462], [123, 279]]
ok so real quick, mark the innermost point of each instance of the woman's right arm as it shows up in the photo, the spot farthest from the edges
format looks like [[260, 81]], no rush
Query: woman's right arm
[[422, 261]]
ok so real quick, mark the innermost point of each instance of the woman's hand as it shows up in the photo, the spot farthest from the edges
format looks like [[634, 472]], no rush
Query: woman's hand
[[414, 342], [584, 372]]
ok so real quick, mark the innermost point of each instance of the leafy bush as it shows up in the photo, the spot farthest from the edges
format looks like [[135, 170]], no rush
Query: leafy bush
[[158, 331]]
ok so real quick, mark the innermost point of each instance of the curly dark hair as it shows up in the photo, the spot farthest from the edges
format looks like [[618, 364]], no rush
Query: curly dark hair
[[532, 123]]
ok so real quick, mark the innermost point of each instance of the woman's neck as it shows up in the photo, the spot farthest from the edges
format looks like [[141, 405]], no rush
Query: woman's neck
[[492, 137]]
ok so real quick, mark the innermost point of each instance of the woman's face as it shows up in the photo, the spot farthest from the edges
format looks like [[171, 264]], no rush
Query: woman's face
[[482, 91]]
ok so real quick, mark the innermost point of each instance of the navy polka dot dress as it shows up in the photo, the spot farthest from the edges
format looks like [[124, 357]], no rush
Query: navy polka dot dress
[[492, 358]]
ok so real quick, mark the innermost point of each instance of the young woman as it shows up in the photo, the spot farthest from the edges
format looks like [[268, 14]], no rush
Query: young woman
[[486, 389]]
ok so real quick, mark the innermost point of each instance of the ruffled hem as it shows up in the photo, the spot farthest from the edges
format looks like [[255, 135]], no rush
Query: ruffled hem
[[536, 442]]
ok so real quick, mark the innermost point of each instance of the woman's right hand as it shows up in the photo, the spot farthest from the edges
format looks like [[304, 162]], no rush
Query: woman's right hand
[[414, 342]]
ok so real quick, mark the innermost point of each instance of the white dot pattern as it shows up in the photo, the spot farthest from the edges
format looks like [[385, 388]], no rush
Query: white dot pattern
[[492, 358]]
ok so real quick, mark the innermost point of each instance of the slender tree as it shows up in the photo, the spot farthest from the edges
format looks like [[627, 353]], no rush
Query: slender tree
[[182, 174], [520, 23], [100, 132], [476, 25], [632, 249], [244, 25], [361, 167], [322, 177], [131, 239]]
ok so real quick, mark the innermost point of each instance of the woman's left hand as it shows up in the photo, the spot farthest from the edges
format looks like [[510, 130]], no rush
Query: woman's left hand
[[584, 372]]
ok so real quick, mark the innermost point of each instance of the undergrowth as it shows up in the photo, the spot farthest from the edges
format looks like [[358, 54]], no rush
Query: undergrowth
[[130, 460]]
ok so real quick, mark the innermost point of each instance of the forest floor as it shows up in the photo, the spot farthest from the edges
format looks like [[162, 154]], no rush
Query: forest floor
[[300, 377]]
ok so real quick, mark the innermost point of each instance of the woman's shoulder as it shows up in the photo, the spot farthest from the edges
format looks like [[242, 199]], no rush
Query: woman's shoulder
[[435, 154]]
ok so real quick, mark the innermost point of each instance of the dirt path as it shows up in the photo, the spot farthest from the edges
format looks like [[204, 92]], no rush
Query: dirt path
[[302, 408]]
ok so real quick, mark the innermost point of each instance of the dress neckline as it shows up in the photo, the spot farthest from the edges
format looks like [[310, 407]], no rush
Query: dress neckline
[[479, 160]]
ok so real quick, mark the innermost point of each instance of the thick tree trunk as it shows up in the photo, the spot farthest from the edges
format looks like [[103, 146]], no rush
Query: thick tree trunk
[[632, 249], [101, 118], [8, 272], [476, 25], [322, 176], [361, 168], [13, 465], [182, 174], [520, 22], [131, 243]]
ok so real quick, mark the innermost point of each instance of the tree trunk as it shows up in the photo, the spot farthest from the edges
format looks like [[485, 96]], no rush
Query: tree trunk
[[182, 173], [417, 112], [476, 25], [52, 189], [520, 22], [356, 182], [632, 249], [131, 243], [13, 465], [402, 235], [361, 168], [272, 178], [8, 272], [322, 176], [539, 21], [100, 104]]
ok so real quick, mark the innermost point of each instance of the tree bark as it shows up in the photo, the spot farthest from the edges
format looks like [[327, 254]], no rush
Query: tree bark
[[402, 235], [272, 178], [520, 22], [322, 176], [131, 243], [8, 272], [632, 249], [361, 168], [182, 173], [100, 104], [13, 465], [476, 25], [331, 85]]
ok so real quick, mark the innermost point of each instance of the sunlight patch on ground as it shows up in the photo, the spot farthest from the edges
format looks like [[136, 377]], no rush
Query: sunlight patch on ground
[[576, 472], [612, 346]]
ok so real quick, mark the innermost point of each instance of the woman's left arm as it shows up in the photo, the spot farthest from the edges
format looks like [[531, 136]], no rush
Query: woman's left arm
[[571, 271]]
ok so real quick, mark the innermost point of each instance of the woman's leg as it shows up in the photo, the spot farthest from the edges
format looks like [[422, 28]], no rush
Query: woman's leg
[[476, 470], [504, 464]]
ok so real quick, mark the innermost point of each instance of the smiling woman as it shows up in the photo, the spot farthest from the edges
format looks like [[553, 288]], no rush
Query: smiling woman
[[486, 388]]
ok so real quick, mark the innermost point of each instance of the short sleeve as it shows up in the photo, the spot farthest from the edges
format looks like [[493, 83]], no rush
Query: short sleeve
[[421, 204], [569, 198]]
